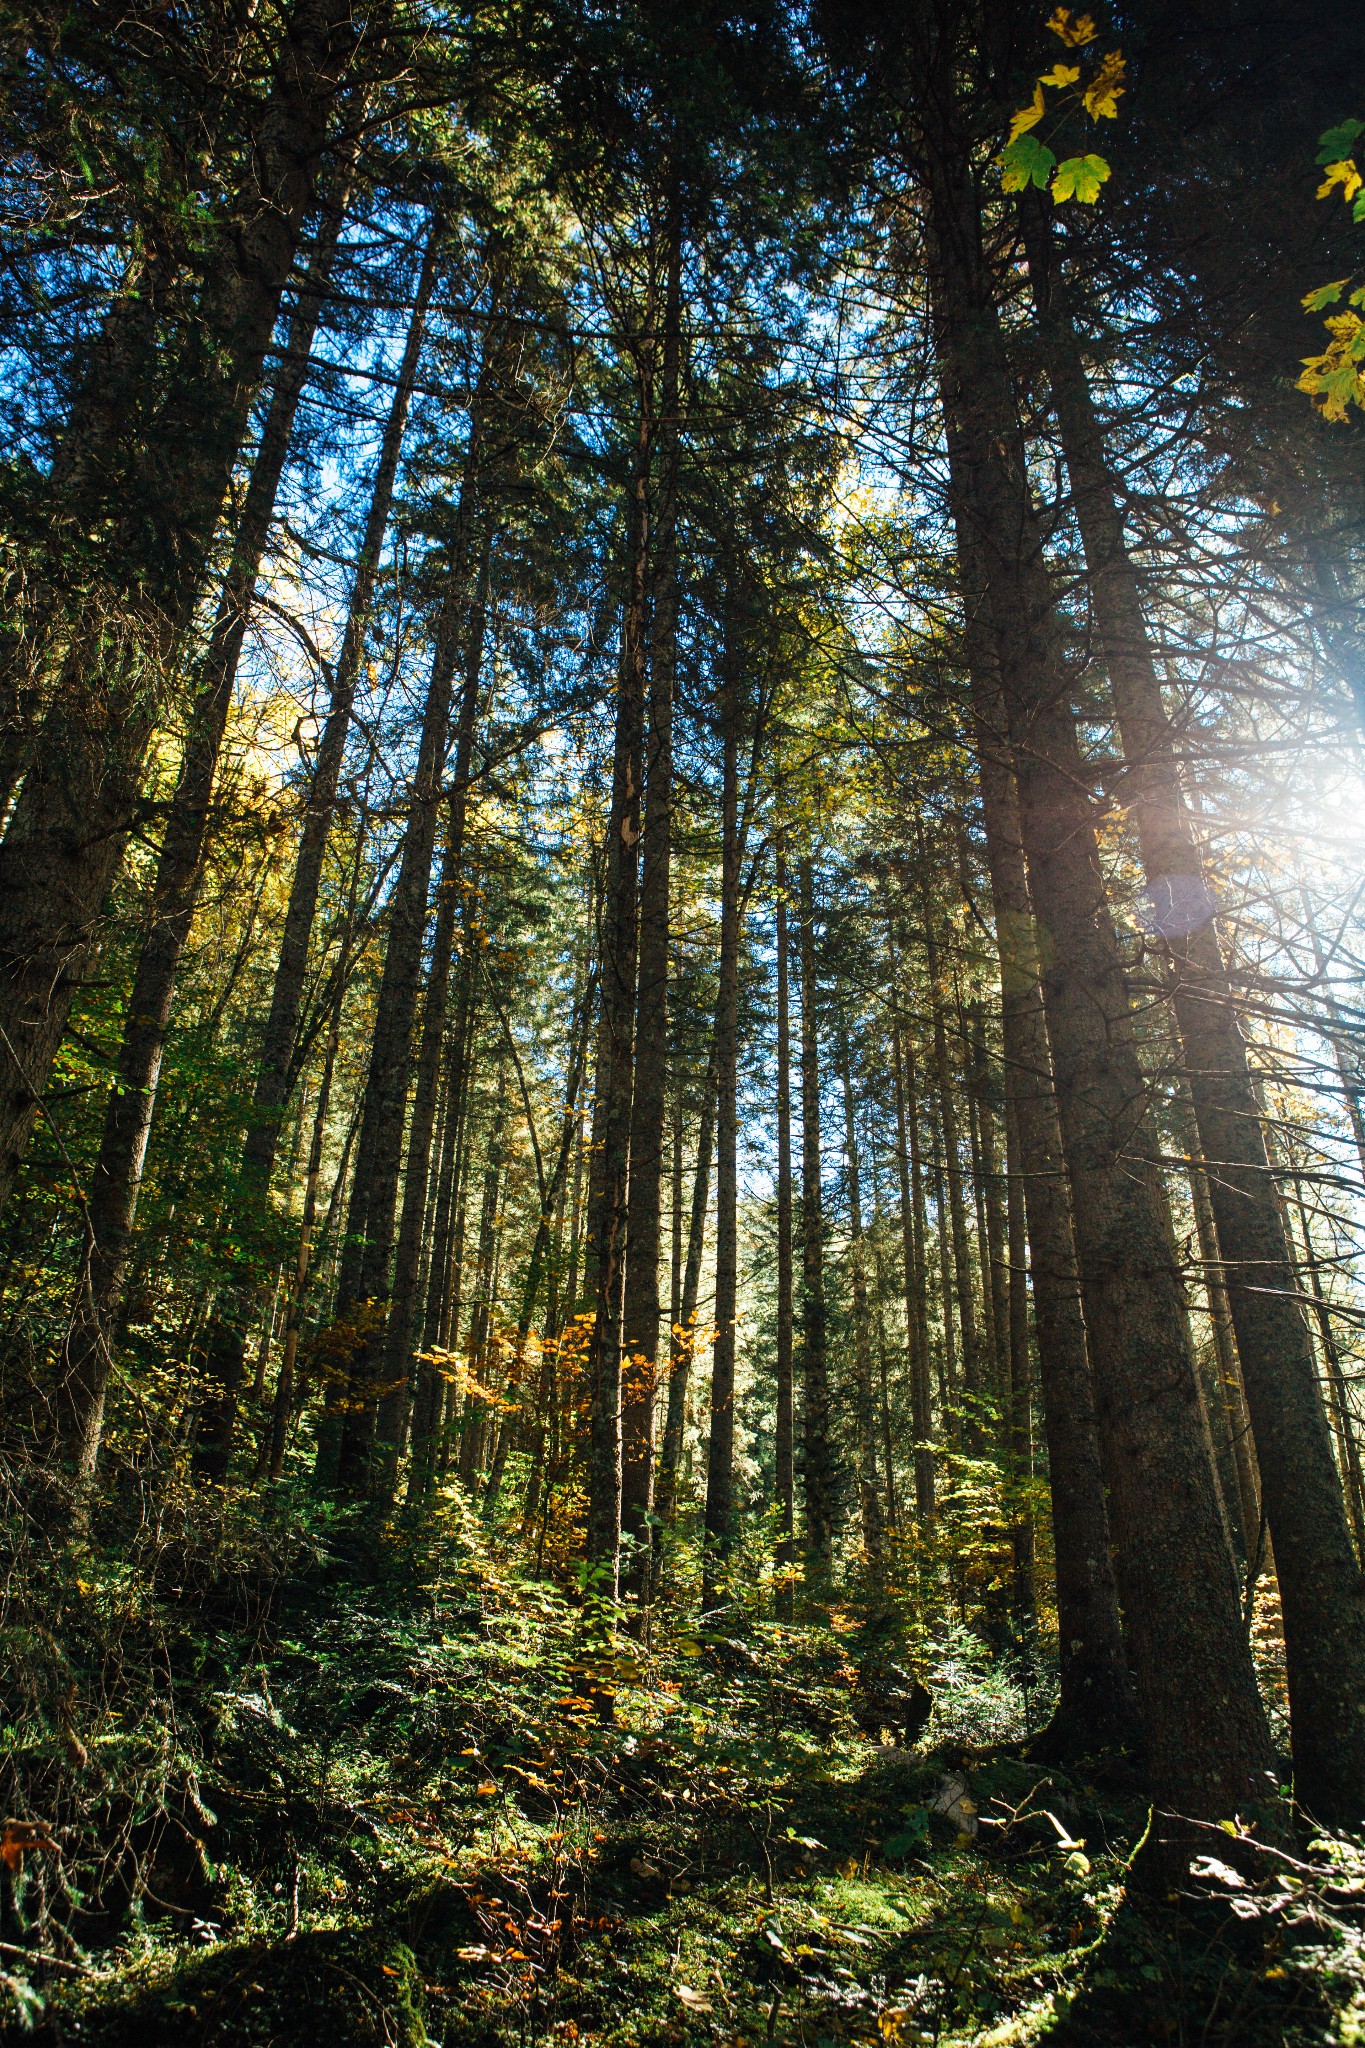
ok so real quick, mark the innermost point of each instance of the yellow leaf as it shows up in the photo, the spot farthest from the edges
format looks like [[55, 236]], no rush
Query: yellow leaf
[[1101, 96], [1029, 116], [1344, 174], [1061, 74], [1073, 33]]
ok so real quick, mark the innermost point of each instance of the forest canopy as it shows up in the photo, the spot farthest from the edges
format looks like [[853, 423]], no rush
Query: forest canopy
[[682, 1062]]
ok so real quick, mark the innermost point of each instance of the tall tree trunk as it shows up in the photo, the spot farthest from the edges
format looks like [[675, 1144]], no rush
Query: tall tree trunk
[[869, 1493], [1180, 1600], [1020, 1408], [948, 1377], [275, 1071], [784, 1433], [1337, 1035], [429, 1400], [1343, 1417], [684, 1342], [397, 1357], [616, 1038], [910, 1170], [946, 1082], [640, 1327], [1321, 1586], [1095, 1707], [366, 1269], [817, 1451], [720, 1457], [111, 1204], [551, 1193], [69, 826], [991, 1229], [298, 1292]]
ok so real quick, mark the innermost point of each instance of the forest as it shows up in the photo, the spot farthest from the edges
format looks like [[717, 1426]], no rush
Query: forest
[[682, 1041]]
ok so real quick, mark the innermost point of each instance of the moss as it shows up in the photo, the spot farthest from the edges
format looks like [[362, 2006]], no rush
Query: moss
[[346, 1988]]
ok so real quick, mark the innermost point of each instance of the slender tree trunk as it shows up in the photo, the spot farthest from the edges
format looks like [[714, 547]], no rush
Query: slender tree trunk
[[298, 1292], [1020, 1407], [1095, 1707], [640, 1329], [616, 1043], [551, 1192], [67, 832], [991, 1230], [948, 1379], [396, 1367], [431, 1377], [909, 1167], [1321, 1586], [784, 1454], [684, 1343], [1344, 1427], [366, 1268], [945, 1080], [1180, 1599], [1336, 1034], [817, 1459], [992, 1378], [276, 1064], [720, 1457], [869, 1492], [111, 1205], [474, 1428]]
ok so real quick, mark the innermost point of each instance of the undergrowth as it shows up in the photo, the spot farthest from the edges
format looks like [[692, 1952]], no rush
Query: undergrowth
[[283, 1775]]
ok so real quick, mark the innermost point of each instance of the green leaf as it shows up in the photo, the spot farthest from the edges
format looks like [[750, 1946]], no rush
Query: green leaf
[[1026, 161], [1336, 143], [911, 1836], [1358, 210], [1325, 295], [1080, 177]]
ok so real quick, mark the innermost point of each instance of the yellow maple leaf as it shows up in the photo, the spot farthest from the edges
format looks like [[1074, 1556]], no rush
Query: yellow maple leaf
[[1073, 33], [1061, 74], [1029, 116], [1336, 379], [1344, 174], [1101, 96]]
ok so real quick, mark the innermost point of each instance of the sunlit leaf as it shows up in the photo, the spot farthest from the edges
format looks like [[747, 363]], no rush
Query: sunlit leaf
[[1026, 161], [1080, 177]]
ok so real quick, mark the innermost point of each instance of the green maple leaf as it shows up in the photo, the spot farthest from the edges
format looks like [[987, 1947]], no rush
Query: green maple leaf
[[1026, 161], [1336, 142], [1080, 177]]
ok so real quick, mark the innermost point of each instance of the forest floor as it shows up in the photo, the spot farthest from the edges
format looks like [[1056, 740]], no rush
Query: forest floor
[[319, 1783]]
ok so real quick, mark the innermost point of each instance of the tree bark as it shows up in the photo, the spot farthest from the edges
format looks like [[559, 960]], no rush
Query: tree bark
[[641, 1310], [366, 1267], [157, 484], [1321, 1586], [720, 1530], [275, 1065], [869, 1493], [1179, 1595], [396, 1366], [298, 1292], [111, 1204], [685, 1338], [429, 1400], [616, 1040], [909, 1168], [817, 1460], [784, 1432], [946, 1081]]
